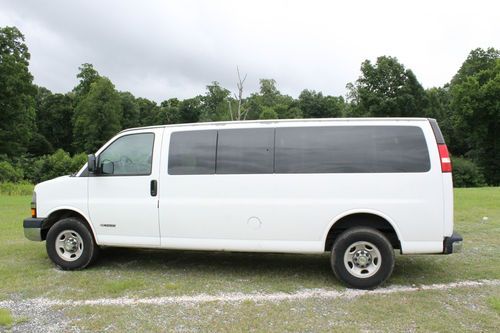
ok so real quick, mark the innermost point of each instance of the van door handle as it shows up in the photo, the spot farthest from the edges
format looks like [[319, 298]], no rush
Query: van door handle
[[154, 188]]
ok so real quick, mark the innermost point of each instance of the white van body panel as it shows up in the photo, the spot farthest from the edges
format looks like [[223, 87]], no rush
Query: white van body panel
[[63, 193], [289, 213], [448, 204], [361, 211], [122, 209], [294, 212]]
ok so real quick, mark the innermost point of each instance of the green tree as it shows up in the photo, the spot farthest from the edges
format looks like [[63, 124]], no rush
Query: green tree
[[147, 111], [475, 100], [87, 76], [439, 108], [168, 112], [438, 103], [173, 111], [9, 173], [269, 92], [466, 173], [54, 115], [387, 89], [268, 113], [314, 105], [268, 97], [288, 110], [190, 110], [41, 95], [17, 92], [478, 60], [130, 109], [254, 106], [293, 113], [215, 103], [39, 145], [46, 167], [97, 116]]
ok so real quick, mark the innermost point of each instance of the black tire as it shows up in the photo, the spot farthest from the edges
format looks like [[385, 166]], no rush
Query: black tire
[[83, 238], [358, 241]]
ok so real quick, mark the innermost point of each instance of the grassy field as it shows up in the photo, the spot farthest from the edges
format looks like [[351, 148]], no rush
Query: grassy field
[[27, 273]]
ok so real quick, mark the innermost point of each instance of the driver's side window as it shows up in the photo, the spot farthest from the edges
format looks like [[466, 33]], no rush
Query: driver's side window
[[129, 155]]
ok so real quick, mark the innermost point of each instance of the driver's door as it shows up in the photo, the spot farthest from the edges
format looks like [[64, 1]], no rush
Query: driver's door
[[123, 195]]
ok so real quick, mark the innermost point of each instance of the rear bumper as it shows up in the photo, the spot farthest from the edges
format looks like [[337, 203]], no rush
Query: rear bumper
[[33, 228], [452, 244]]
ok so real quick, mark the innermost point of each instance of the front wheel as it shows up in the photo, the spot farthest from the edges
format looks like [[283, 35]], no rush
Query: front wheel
[[362, 258], [70, 244]]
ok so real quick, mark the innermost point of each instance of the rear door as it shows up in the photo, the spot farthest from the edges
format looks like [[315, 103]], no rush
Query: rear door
[[123, 204]]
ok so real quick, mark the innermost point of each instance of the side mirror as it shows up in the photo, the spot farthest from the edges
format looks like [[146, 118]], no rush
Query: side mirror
[[108, 167], [91, 165]]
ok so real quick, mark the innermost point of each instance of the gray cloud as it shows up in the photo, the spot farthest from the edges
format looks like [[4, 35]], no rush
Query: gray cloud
[[160, 49]]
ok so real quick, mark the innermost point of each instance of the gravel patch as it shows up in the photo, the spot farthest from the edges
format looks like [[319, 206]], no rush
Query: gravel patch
[[47, 315], [34, 316], [41, 304]]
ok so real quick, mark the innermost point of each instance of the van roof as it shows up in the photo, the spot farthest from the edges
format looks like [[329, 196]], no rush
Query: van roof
[[271, 121]]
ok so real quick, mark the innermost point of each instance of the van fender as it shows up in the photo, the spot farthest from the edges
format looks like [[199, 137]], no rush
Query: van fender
[[76, 210], [361, 211]]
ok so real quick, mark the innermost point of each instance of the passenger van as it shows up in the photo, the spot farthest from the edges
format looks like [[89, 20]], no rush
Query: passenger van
[[357, 188]]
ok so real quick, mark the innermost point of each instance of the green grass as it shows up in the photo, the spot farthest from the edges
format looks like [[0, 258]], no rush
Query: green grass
[[22, 188], [5, 318], [26, 272], [426, 311], [494, 303]]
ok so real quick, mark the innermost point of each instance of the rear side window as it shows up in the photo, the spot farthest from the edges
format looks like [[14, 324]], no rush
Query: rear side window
[[192, 153], [244, 151], [351, 149]]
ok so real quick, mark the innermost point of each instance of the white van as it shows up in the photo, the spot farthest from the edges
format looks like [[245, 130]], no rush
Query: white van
[[359, 188]]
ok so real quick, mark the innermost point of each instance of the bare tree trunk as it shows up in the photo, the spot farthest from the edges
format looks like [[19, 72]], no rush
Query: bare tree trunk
[[230, 109], [239, 97]]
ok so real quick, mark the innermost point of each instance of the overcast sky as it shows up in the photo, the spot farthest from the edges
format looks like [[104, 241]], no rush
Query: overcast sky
[[163, 49]]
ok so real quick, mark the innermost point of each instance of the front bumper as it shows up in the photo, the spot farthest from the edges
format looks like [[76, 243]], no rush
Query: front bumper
[[453, 244], [33, 228]]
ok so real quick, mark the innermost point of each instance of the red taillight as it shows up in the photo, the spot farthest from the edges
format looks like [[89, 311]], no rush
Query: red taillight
[[444, 156]]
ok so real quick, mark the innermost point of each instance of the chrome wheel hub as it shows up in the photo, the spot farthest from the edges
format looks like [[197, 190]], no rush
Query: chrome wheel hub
[[362, 259], [69, 245]]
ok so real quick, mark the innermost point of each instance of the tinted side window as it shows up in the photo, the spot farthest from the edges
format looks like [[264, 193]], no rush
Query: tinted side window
[[130, 155], [244, 151], [192, 153], [351, 149]]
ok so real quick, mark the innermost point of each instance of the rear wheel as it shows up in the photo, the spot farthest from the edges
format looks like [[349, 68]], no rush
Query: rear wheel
[[70, 244], [362, 258]]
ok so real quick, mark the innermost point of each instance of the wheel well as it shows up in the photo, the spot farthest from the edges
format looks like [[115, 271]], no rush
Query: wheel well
[[362, 220], [62, 214]]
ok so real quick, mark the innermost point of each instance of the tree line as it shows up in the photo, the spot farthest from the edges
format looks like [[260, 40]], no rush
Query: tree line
[[40, 129]]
